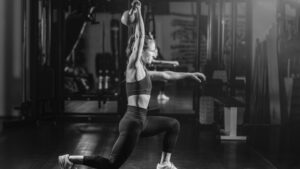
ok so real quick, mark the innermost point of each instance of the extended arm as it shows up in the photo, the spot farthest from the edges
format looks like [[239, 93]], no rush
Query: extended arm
[[170, 75], [139, 34]]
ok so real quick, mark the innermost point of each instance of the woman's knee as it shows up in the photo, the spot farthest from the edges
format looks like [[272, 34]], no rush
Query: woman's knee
[[175, 125]]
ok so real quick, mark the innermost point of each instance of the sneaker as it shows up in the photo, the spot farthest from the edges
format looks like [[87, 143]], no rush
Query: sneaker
[[168, 165], [64, 162], [163, 97]]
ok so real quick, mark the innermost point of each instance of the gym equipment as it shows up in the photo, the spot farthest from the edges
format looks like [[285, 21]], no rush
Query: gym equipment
[[77, 78], [128, 16]]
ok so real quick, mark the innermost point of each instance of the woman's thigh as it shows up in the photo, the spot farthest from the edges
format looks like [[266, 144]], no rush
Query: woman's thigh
[[157, 124]]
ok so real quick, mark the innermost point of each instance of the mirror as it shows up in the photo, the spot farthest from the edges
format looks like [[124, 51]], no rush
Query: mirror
[[92, 71], [198, 35]]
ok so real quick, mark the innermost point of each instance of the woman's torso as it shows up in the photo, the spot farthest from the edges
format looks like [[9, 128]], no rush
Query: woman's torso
[[139, 90]]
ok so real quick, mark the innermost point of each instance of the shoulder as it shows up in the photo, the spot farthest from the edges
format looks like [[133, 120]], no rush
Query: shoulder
[[135, 73]]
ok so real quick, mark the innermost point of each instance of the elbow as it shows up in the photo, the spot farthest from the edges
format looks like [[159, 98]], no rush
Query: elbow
[[141, 30], [140, 35], [166, 76], [137, 65]]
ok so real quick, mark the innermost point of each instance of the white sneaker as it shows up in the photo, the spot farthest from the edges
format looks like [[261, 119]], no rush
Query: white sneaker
[[162, 97], [168, 165], [64, 162]]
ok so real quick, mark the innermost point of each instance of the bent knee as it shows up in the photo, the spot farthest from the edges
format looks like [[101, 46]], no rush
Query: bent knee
[[175, 125]]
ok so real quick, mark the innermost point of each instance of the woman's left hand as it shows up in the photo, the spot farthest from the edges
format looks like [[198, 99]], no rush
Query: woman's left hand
[[199, 77], [136, 3]]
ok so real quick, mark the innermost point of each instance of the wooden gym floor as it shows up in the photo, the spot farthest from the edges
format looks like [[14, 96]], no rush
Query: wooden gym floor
[[37, 146]]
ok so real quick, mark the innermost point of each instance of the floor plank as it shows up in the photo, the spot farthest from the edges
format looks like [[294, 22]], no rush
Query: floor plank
[[37, 147], [197, 148]]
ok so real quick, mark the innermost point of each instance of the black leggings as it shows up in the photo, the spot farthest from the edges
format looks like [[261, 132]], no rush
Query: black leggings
[[132, 126]]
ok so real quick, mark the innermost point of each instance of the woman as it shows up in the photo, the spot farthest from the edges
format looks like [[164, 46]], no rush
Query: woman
[[135, 123]]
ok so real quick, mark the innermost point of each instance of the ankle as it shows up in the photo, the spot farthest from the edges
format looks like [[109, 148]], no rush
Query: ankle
[[164, 162], [165, 158]]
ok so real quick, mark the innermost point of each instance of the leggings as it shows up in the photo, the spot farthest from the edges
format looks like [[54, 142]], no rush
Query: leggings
[[132, 126]]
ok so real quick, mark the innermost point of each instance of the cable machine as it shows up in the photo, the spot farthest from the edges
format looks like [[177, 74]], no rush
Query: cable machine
[[101, 81]]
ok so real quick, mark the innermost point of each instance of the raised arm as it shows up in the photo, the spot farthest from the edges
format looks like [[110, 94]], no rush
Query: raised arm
[[170, 75], [139, 34]]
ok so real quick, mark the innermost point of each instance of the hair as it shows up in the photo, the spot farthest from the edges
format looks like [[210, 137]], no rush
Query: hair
[[148, 39]]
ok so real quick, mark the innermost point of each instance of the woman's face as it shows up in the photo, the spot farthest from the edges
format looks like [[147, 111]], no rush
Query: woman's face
[[149, 53]]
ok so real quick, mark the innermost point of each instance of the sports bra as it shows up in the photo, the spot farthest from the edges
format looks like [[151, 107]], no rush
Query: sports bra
[[143, 86]]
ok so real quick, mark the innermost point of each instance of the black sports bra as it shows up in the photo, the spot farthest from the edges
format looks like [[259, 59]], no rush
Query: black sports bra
[[143, 86]]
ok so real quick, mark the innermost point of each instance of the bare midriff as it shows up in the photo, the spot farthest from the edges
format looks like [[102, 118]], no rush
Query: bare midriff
[[141, 100]]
